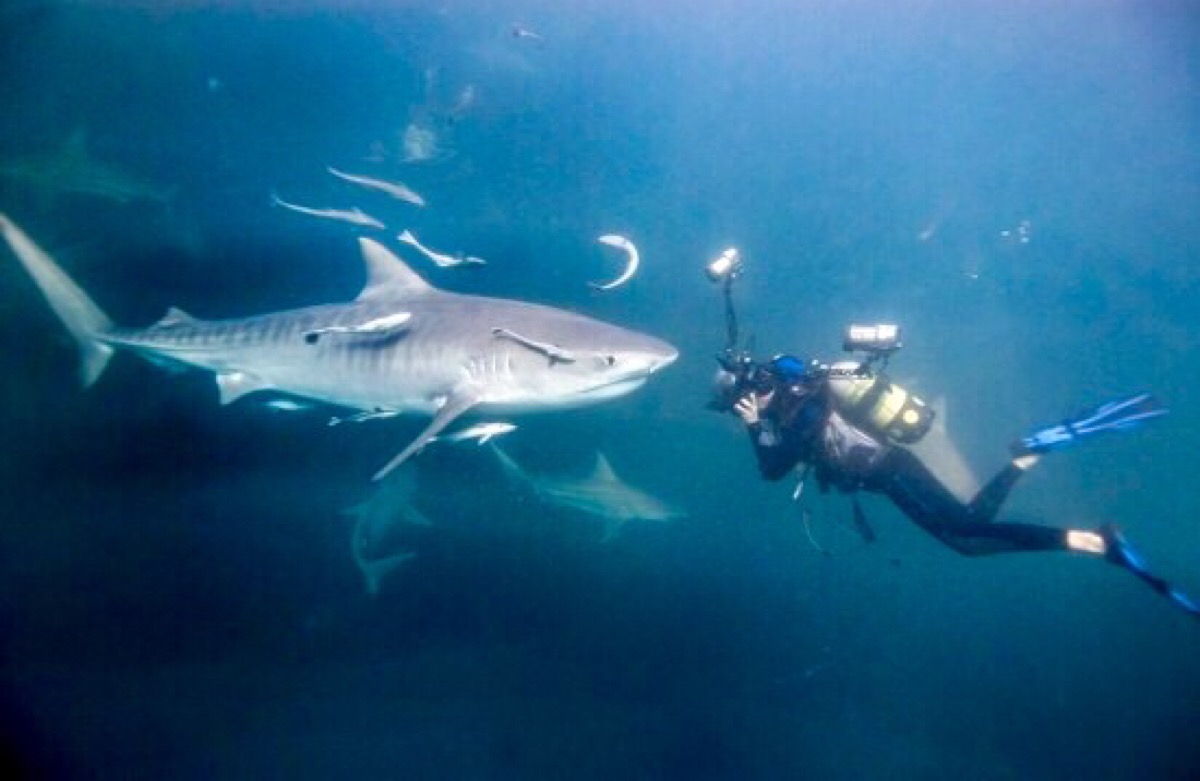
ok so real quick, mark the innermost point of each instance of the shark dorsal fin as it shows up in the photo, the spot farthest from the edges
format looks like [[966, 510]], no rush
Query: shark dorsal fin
[[175, 316], [603, 470], [388, 277]]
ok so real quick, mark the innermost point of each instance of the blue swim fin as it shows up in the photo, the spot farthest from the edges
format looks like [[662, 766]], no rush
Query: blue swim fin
[[1121, 553], [1113, 416]]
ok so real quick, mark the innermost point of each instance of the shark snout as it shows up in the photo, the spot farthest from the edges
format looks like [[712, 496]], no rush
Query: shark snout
[[663, 356]]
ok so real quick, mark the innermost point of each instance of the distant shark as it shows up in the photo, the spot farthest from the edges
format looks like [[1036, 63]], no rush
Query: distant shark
[[601, 494], [400, 346], [376, 521], [71, 170]]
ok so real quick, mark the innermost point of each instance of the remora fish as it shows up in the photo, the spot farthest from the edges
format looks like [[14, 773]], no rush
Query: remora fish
[[354, 216], [439, 259], [601, 494], [631, 262], [484, 432], [520, 31], [446, 360], [395, 189], [72, 171]]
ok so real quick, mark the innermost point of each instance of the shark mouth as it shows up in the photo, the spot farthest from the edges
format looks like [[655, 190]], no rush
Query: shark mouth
[[615, 388]]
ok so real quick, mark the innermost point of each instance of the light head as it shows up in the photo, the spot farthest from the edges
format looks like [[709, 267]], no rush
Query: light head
[[726, 267], [880, 339]]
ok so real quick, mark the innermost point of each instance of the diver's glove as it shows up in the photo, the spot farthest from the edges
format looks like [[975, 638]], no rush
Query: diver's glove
[[1113, 416]]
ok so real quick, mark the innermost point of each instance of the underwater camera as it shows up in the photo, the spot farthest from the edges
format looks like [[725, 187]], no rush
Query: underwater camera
[[738, 374], [875, 339]]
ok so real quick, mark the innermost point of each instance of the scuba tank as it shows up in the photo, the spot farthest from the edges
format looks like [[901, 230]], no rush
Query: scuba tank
[[871, 400]]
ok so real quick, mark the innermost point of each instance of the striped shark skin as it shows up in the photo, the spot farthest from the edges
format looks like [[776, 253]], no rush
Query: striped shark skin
[[401, 346]]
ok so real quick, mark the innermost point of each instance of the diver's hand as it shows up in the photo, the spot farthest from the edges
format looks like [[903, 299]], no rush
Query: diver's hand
[[747, 409]]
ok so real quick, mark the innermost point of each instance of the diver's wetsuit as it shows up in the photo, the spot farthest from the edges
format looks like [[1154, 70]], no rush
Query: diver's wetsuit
[[799, 425]]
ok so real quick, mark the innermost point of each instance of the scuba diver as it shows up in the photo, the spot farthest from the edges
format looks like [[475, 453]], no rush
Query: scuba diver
[[854, 430]]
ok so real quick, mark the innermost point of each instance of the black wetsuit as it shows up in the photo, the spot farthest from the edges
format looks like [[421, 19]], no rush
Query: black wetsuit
[[800, 425]]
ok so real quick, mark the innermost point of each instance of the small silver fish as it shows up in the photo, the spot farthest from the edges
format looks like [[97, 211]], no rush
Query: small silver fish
[[439, 258], [520, 31], [396, 190], [483, 432], [354, 216]]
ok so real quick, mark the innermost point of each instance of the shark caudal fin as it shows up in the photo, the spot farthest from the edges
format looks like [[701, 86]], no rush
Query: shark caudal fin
[[78, 313]]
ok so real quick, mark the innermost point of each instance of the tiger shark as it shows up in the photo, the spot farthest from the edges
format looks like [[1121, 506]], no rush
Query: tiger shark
[[400, 346], [601, 494], [71, 170]]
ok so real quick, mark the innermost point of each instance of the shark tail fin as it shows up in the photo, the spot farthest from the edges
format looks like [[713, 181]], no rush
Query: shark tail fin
[[376, 571], [77, 311]]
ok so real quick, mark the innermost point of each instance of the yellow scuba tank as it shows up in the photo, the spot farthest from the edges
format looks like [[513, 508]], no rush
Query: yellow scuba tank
[[871, 400]]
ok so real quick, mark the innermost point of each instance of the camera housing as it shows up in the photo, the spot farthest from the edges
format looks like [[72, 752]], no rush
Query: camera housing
[[738, 373]]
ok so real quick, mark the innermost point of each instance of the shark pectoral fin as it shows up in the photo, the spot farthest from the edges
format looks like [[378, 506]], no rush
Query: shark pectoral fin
[[234, 385], [456, 405]]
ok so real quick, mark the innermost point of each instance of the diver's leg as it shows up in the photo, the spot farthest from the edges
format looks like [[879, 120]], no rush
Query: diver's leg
[[976, 538], [982, 539], [923, 498], [904, 479], [987, 502]]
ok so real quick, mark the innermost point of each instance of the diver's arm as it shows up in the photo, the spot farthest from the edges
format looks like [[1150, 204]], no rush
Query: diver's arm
[[774, 459]]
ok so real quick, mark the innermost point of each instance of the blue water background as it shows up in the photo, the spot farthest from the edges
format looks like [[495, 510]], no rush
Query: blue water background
[[179, 596]]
